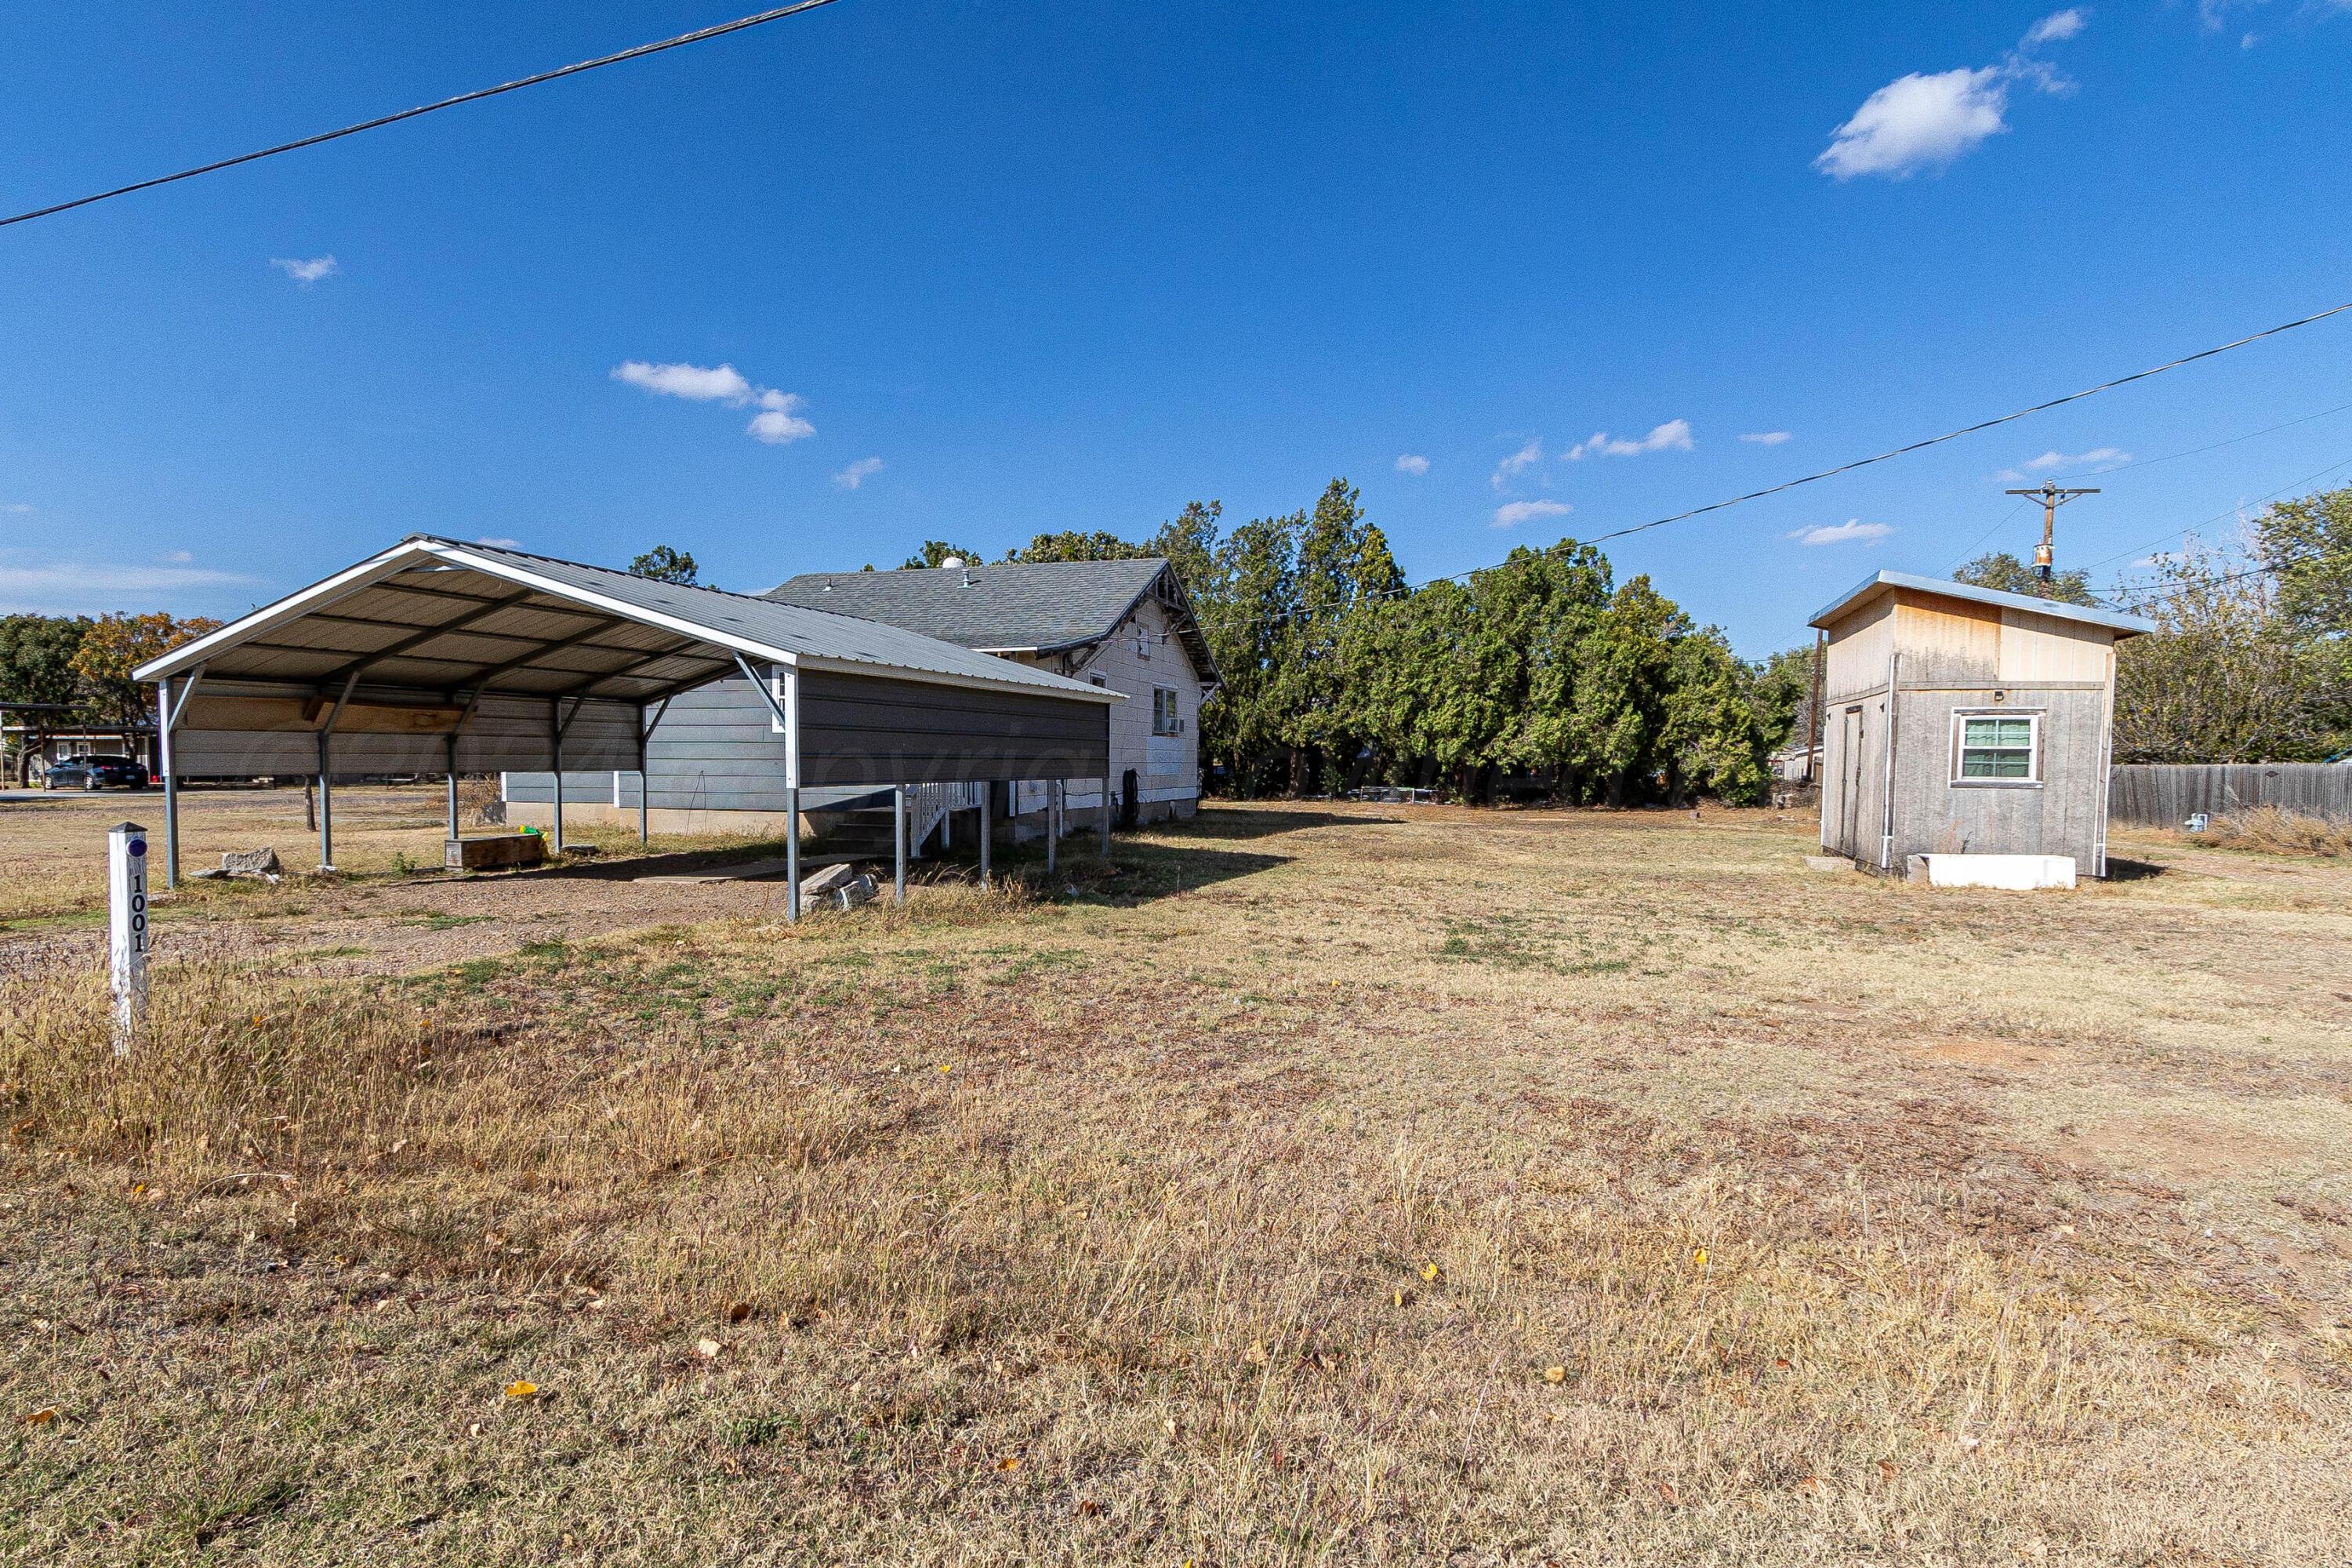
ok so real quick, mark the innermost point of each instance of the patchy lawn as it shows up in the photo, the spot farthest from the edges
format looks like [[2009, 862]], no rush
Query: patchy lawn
[[1330, 1183]]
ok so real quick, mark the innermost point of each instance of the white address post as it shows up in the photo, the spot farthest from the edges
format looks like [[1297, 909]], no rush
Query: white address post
[[126, 907]]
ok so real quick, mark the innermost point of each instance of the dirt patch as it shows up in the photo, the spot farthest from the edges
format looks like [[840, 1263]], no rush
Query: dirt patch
[[1966, 1051], [2181, 1146]]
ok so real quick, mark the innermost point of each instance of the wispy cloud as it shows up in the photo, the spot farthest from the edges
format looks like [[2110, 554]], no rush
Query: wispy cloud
[[97, 586], [306, 272], [501, 543], [1413, 463], [1848, 532], [1924, 121], [2098, 460], [1510, 514], [177, 558], [1765, 437], [857, 473], [1674, 435], [16, 507], [778, 420], [1517, 462]]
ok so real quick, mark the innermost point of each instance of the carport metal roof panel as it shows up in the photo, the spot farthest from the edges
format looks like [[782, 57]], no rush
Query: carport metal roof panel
[[442, 616]]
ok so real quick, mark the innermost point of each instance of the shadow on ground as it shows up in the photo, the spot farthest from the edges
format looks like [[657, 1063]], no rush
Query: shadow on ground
[[1241, 823]]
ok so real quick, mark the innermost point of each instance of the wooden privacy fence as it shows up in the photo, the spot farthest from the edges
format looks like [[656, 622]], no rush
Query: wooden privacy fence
[[2163, 794]]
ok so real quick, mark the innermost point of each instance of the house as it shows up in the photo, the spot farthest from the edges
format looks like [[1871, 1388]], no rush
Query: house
[[1125, 625], [1967, 722], [1796, 763]]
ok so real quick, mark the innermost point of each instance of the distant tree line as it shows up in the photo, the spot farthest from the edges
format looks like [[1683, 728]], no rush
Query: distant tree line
[[77, 669], [1541, 676]]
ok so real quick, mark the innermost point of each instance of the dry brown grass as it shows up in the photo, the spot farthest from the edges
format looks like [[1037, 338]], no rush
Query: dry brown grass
[[2268, 829], [1351, 1186]]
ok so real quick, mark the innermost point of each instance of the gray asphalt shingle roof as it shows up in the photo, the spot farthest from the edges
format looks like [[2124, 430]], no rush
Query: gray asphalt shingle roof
[[1020, 607]]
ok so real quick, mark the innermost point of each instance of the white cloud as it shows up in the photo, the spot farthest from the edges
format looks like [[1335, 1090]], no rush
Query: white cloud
[[1925, 122], [501, 543], [778, 420], [2098, 459], [1413, 463], [1765, 438], [16, 507], [2057, 27], [1675, 434], [96, 587], [1510, 514], [176, 558], [1917, 122], [1509, 468], [697, 384], [857, 473], [1845, 533], [306, 272]]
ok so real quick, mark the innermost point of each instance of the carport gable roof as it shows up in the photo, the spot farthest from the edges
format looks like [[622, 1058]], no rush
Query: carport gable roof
[[442, 616]]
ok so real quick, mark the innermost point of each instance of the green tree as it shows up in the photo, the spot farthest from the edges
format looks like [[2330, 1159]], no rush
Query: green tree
[[937, 553], [1073, 545], [2005, 572], [36, 665], [2307, 544], [1711, 737], [2228, 676], [664, 565], [1781, 690]]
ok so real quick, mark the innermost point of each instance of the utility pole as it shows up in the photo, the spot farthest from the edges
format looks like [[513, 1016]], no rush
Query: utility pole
[[2052, 497]]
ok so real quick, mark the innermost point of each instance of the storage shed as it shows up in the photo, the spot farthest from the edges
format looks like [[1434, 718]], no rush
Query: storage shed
[[1965, 720]]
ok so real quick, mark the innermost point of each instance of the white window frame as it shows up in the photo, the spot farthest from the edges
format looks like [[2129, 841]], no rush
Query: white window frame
[[1961, 748], [1172, 721]]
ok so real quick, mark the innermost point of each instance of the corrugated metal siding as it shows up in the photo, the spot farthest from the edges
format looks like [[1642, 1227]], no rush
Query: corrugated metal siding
[[278, 740]]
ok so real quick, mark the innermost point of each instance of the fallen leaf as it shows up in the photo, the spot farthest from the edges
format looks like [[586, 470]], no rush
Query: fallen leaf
[[1666, 1490], [1169, 1425], [1699, 1257], [1781, 1361], [1809, 1484], [947, 1067], [1399, 1296], [1555, 1374], [41, 1417], [1088, 1507], [1432, 1272], [521, 1390], [1886, 1469], [706, 1348], [1010, 1462]]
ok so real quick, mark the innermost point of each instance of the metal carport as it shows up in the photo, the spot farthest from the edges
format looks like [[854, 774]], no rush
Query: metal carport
[[438, 655]]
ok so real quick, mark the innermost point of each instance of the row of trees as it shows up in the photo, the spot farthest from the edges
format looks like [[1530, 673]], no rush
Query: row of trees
[[1542, 675], [73, 672]]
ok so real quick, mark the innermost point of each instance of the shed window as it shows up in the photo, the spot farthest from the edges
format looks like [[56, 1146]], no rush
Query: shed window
[[1997, 746]]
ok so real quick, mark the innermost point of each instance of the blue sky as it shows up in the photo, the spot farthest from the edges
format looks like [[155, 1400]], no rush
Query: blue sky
[[905, 268]]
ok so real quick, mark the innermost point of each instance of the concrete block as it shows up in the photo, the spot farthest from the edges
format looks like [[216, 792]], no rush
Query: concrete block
[[830, 880], [491, 853], [2018, 873]]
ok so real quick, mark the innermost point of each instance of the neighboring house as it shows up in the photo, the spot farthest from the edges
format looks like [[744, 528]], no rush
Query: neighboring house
[[1966, 720], [1124, 624], [1796, 763]]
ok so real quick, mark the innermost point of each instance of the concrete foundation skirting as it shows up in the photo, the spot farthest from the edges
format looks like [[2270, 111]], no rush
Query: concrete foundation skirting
[[2018, 873]]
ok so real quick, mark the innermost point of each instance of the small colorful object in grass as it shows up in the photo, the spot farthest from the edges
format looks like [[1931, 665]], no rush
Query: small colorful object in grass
[[706, 1348], [1555, 1374], [41, 1417], [1432, 1272], [1088, 1507], [1699, 1257], [947, 1067], [1010, 1462], [1401, 1296], [1809, 1484], [521, 1390]]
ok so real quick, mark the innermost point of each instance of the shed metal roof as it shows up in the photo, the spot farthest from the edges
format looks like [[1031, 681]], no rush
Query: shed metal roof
[[2116, 621], [1014, 607], [441, 615]]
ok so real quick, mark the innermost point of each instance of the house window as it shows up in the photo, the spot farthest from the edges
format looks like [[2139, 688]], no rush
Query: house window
[[1998, 748], [1164, 719], [1096, 676], [1142, 643]]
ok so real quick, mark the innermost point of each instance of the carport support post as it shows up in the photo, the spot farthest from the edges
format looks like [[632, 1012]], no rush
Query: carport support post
[[898, 842], [453, 787], [555, 740], [987, 828], [171, 786]]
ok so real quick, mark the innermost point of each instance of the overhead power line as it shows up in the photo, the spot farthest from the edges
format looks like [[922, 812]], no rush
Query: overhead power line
[[1899, 451], [699, 35]]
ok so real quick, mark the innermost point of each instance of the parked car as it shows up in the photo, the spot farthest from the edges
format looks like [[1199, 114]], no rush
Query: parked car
[[95, 772]]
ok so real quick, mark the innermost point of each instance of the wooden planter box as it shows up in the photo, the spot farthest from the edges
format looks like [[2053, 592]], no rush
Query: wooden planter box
[[493, 853]]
